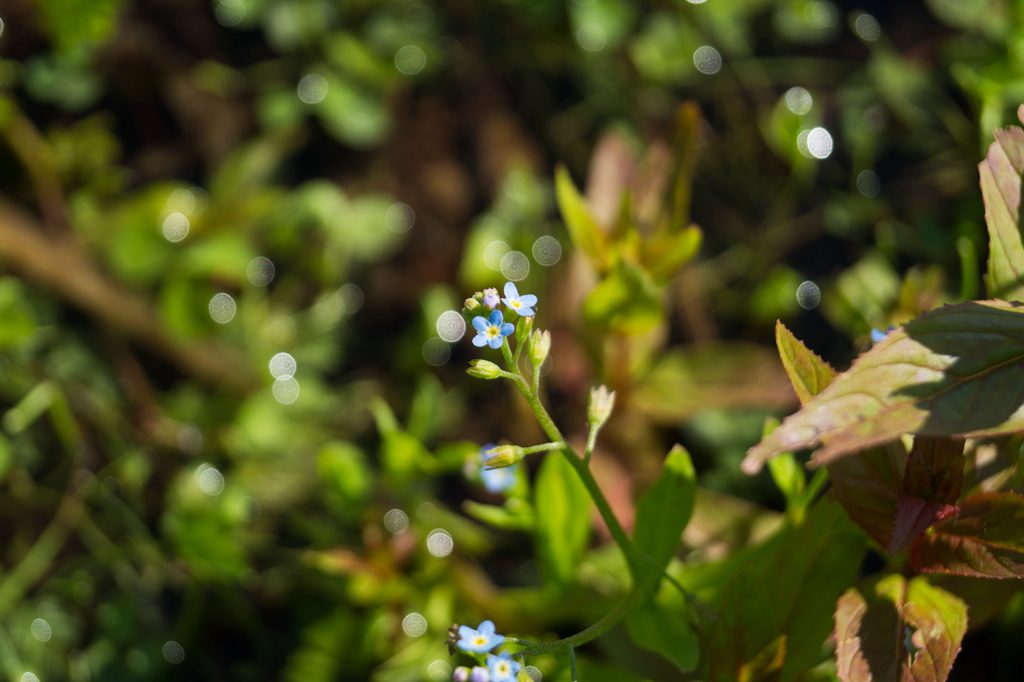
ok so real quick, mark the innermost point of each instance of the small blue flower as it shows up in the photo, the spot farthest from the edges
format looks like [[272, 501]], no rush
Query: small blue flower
[[521, 304], [491, 298], [479, 675], [491, 331], [497, 480], [481, 640], [502, 667], [877, 334]]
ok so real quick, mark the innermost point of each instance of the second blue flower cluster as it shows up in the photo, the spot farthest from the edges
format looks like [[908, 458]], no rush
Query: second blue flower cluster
[[483, 640]]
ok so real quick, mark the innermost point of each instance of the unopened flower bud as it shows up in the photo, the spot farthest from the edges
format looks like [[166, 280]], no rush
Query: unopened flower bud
[[540, 344], [484, 369], [479, 674], [470, 304], [602, 401], [503, 456], [461, 674], [491, 298]]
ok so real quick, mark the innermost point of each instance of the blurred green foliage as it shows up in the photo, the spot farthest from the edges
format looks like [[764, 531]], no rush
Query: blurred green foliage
[[190, 189]]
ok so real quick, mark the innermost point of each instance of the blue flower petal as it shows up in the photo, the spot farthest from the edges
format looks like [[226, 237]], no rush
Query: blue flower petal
[[526, 312], [480, 323], [480, 340], [507, 328], [496, 317], [466, 632], [486, 627], [528, 300], [511, 291], [496, 341]]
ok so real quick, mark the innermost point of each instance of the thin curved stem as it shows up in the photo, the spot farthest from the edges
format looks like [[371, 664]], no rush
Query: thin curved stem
[[607, 622]]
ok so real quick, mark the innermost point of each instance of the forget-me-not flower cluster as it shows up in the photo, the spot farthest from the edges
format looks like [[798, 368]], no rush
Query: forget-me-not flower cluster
[[492, 330]]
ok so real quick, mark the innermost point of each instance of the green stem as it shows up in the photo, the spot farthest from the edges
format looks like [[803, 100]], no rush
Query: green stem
[[572, 664], [543, 447], [583, 636], [582, 470], [591, 441]]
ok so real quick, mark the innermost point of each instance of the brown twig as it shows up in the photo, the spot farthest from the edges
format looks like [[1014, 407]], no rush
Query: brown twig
[[59, 265]]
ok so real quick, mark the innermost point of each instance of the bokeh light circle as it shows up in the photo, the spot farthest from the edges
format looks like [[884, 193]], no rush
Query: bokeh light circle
[[222, 308], [451, 326], [282, 366], [436, 351], [440, 542], [414, 625], [707, 59], [808, 295], [515, 266], [547, 250]]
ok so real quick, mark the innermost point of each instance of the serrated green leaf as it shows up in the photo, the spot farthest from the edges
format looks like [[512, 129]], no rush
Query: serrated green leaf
[[563, 518], [583, 229], [1001, 173], [808, 373], [955, 371], [983, 539], [922, 624], [662, 514]]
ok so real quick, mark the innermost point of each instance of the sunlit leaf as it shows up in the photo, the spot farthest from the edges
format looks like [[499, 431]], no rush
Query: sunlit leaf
[[808, 373], [984, 539], [1001, 173], [922, 624], [583, 229], [956, 371]]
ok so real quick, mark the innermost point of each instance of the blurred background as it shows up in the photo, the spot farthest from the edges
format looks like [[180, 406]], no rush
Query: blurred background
[[237, 439]]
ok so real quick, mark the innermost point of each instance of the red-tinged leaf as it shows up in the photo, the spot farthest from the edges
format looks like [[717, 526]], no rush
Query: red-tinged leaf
[[913, 517], [935, 469], [1000, 174], [808, 373], [984, 540], [956, 371], [922, 624], [868, 487], [931, 482]]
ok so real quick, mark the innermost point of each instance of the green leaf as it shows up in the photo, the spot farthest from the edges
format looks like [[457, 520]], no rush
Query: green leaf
[[664, 254], [563, 518], [583, 229], [627, 301], [984, 539], [955, 371], [662, 514], [808, 373], [1001, 173], [779, 602], [922, 624], [665, 632]]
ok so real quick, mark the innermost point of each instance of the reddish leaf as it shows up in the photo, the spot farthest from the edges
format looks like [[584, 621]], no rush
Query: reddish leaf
[[931, 482], [956, 371], [922, 624], [985, 539]]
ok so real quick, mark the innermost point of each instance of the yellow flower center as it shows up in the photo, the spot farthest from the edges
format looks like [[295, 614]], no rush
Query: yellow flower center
[[515, 304], [493, 331], [480, 640], [503, 669]]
